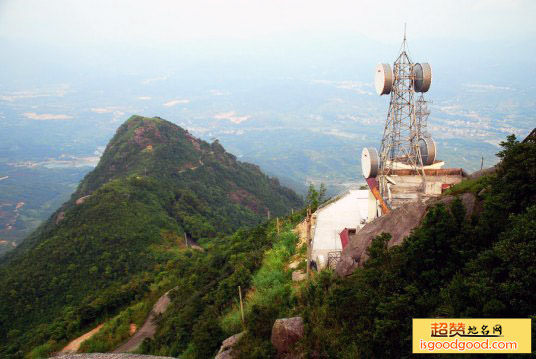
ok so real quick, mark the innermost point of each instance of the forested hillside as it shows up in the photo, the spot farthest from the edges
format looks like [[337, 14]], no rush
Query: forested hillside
[[112, 244], [109, 257]]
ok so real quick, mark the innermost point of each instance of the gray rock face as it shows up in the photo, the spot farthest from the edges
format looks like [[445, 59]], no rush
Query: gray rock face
[[399, 224], [469, 201], [226, 349], [285, 333]]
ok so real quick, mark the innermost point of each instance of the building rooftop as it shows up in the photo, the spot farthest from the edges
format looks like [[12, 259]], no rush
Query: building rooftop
[[347, 211]]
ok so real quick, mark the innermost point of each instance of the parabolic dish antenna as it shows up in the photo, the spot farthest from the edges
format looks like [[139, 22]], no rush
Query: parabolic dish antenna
[[423, 77], [370, 162], [383, 79], [428, 150]]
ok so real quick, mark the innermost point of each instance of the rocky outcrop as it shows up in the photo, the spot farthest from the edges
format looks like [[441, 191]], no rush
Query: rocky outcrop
[[81, 200], [399, 223], [226, 349], [294, 265], [469, 201], [298, 276], [483, 172], [60, 217], [285, 333]]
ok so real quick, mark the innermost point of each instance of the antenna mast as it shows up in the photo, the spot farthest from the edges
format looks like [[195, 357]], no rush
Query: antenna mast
[[405, 143], [399, 148]]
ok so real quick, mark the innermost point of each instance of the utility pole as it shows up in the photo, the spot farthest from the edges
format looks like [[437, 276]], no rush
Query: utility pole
[[241, 305], [308, 241], [185, 239]]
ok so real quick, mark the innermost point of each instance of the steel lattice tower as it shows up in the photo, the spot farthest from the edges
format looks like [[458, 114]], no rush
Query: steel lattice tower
[[401, 132], [406, 121], [406, 144], [421, 113]]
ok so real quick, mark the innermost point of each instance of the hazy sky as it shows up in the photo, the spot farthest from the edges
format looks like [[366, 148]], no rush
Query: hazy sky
[[100, 58], [482, 39], [166, 22]]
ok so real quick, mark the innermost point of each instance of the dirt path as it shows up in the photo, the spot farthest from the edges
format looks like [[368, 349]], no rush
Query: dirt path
[[74, 345], [148, 328]]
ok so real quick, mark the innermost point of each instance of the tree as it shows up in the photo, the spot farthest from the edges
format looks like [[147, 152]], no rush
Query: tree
[[315, 197]]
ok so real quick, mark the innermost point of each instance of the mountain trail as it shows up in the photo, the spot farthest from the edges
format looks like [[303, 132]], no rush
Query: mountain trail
[[74, 345], [148, 329]]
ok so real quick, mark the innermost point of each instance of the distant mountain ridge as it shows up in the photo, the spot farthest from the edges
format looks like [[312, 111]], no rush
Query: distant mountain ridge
[[154, 183]]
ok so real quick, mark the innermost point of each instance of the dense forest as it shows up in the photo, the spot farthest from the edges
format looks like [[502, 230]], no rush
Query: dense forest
[[111, 246]]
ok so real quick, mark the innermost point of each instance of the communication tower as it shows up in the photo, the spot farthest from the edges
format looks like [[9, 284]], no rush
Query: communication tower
[[406, 143]]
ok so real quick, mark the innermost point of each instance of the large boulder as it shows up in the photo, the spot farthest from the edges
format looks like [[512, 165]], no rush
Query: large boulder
[[399, 223], [469, 201], [285, 333], [226, 349]]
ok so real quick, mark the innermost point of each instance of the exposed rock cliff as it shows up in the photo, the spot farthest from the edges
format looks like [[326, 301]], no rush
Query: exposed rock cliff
[[399, 223]]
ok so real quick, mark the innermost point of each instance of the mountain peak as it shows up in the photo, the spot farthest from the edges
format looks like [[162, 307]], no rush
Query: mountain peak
[[146, 146], [155, 186], [156, 149]]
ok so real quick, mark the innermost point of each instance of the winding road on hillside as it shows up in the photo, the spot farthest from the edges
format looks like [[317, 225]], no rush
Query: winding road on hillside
[[148, 329], [74, 345]]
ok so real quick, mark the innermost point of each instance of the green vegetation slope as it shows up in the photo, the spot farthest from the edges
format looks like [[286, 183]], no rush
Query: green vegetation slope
[[108, 247], [450, 266]]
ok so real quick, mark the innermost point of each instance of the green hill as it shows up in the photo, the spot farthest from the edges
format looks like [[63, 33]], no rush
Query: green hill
[[107, 247]]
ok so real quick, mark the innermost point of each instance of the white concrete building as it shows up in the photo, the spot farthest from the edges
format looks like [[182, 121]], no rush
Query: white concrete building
[[350, 210]]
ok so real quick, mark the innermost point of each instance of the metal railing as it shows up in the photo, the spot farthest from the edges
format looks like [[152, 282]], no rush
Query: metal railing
[[333, 259]]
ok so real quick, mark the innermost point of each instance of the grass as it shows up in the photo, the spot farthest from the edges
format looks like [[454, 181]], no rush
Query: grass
[[469, 185], [42, 351], [272, 284], [116, 330]]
